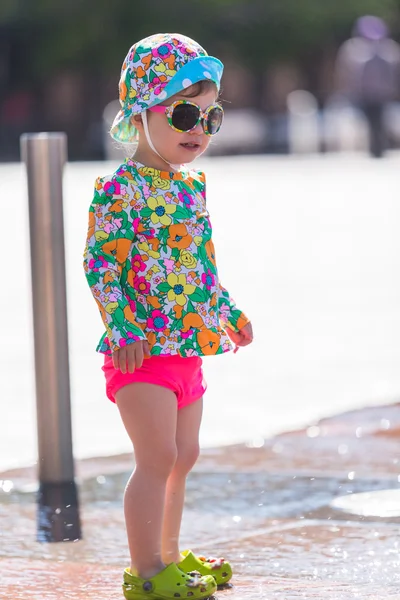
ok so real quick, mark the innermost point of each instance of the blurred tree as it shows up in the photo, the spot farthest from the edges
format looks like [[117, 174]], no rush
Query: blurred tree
[[67, 54], [83, 33]]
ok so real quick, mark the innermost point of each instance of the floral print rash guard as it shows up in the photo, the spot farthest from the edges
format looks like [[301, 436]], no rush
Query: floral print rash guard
[[150, 263]]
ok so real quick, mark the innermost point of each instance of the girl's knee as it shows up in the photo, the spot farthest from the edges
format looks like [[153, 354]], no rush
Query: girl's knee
[[158, 460], [187, 458]]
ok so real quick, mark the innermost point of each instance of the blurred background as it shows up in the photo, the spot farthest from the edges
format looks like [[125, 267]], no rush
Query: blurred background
[[311, 92], [291, 83], [306, 220]]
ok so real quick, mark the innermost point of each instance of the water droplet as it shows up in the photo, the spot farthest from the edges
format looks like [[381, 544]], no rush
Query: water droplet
[[6, 485], [385, 424], [58, 511], [101, 479], [359, 432], [351, 475], [236, 519], [313, 431]]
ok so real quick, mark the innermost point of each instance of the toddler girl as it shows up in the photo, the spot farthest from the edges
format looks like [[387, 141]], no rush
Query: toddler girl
[[150, 263]]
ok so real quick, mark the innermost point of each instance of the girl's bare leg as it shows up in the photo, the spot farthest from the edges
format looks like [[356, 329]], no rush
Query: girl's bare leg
[[149, 414], [187, 442]]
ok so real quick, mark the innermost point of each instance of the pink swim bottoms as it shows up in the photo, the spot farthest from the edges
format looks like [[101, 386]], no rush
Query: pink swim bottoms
[[184, 376]]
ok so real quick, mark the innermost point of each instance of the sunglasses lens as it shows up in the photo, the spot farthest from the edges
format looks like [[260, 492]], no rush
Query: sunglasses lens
[[214, 120], [185, 117]]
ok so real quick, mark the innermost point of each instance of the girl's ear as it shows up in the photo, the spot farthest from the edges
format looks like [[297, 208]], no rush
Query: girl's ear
[[137, 122]]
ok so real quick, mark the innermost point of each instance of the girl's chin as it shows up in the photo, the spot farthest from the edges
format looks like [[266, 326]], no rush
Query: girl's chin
[[187, 154]]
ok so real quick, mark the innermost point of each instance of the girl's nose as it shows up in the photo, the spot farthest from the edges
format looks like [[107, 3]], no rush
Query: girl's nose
[[198, 129]]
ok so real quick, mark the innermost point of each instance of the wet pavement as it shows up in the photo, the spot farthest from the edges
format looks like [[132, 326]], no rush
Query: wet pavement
[[271, 506]]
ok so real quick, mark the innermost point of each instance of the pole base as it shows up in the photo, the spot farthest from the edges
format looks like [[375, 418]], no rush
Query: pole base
[[58, 513]]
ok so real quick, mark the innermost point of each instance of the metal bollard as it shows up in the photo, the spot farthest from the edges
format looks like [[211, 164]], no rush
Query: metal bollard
[[45, 155]]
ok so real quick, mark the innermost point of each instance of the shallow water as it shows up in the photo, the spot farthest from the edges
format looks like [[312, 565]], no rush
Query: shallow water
[[268, 509]]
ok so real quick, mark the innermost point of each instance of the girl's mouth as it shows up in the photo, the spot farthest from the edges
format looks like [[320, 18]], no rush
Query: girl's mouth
[[191, 146]]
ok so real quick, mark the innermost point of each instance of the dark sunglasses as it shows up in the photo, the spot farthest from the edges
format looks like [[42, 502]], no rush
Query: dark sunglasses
[[184, 116]]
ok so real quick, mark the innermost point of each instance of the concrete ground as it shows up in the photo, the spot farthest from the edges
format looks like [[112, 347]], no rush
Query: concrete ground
[[267, 508]]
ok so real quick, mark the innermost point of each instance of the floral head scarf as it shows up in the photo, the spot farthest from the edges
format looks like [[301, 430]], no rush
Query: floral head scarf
[[155, 69]]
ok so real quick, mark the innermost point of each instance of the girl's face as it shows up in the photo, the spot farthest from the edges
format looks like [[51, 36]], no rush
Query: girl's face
[[177, 148]]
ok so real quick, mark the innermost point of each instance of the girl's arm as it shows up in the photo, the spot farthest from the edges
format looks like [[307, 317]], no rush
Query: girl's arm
[[230, 315], [109, 239], [236, 324]]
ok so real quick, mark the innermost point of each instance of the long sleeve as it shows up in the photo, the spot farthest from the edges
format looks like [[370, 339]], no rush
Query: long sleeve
[[230, 315], [109, 239]]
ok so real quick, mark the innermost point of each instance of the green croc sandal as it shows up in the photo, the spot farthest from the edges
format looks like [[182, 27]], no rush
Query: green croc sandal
[[219, 568], [169, 584]]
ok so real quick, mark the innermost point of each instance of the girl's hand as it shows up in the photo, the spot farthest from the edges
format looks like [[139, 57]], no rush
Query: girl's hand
[[241, 338], [131, 357]]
